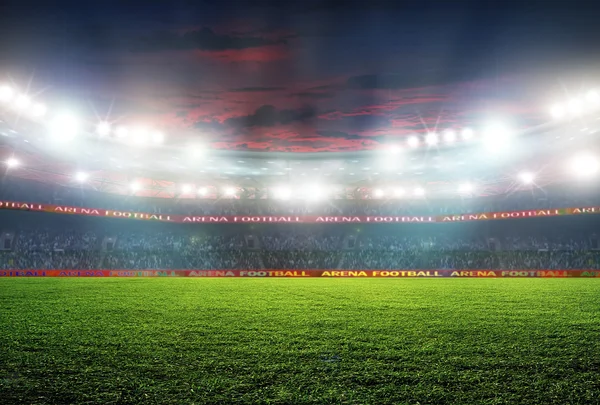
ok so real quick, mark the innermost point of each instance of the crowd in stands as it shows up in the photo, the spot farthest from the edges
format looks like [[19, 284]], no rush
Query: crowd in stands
[[60, 248]]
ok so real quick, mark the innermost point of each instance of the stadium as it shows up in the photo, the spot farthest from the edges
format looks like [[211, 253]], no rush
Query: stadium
[[268, 233]]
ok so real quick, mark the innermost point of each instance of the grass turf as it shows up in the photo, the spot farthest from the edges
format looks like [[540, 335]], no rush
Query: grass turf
[[309, 341]]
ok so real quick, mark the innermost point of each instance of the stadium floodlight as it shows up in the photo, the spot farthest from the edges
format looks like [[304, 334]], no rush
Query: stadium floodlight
[[449, 136], [432, 139], [81, 176], [282, 193], [378, 193], [135, 186], [22, 102], [229, 191], [497, 137], [413, 141], [465, 188], [202, 191], [139, 136], [527, 177], [6, 93], [467, 133], [38, 110], [64, 127], [196, 151], [314, 192], [585, 165], [419, 192], [394, 149], [103, 128], [12, 162], [121, 132], [186, 189]]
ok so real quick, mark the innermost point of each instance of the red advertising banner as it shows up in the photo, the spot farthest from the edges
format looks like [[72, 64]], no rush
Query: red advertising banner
[[245, 219], [308, 273]]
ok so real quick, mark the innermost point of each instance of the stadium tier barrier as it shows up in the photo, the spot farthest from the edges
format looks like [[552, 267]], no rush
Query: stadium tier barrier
[[308, 273], [482, 216]]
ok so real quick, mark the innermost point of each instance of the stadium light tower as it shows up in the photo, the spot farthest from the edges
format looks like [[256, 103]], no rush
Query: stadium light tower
[[12, 162]]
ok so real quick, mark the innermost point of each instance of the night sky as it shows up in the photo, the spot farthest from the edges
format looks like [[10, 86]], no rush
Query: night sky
[[302, 75]]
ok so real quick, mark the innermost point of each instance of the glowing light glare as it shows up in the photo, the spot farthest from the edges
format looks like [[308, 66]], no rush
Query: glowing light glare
[[186, 189], [432, 139], [314, 192], [135, 186], [527, 177], [81, 176], [139, 136], [22, 102], [202, 191], [585, 165], [419, 191], [467, 133], [413, 141], [39, 110], [378, 193], [6, 93], [158, 137], [283, 193], [196, 151], [103, 128], [557, 111], [465, 188], [121, 132], [593, 97], [449, 136], [12, 162], [575, 106], [229, 191], [395, 149], [497, 137], [64, 127], [398, 192]]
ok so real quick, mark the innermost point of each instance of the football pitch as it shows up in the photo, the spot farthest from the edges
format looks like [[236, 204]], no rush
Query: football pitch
[[291, 341]]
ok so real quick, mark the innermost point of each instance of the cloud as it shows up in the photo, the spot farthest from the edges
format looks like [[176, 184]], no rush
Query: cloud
[[269, 116], [204, 39]]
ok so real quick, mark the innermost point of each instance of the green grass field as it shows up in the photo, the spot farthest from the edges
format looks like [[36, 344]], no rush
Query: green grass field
[[290, 341]]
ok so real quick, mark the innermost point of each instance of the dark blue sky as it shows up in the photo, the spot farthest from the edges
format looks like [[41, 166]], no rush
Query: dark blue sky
[[302, 75]]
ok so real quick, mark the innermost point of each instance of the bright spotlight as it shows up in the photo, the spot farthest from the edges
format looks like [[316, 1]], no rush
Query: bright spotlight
[[103, 128], [557, 111], [38, 110], [229, 191], [64, 127], [202, 191], [121, 132], [497, 137], [314, 192], [449, 136], [135, 187], [527, 177], [431, 139], [585, 165], [395, 149], [6, 93], [467, 133], [465, 188], [419, 192], [398, 192], [12, 162], [22, 102], [593, 97], [413, 141], [81, 176], [186, 189], [378, 193]]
